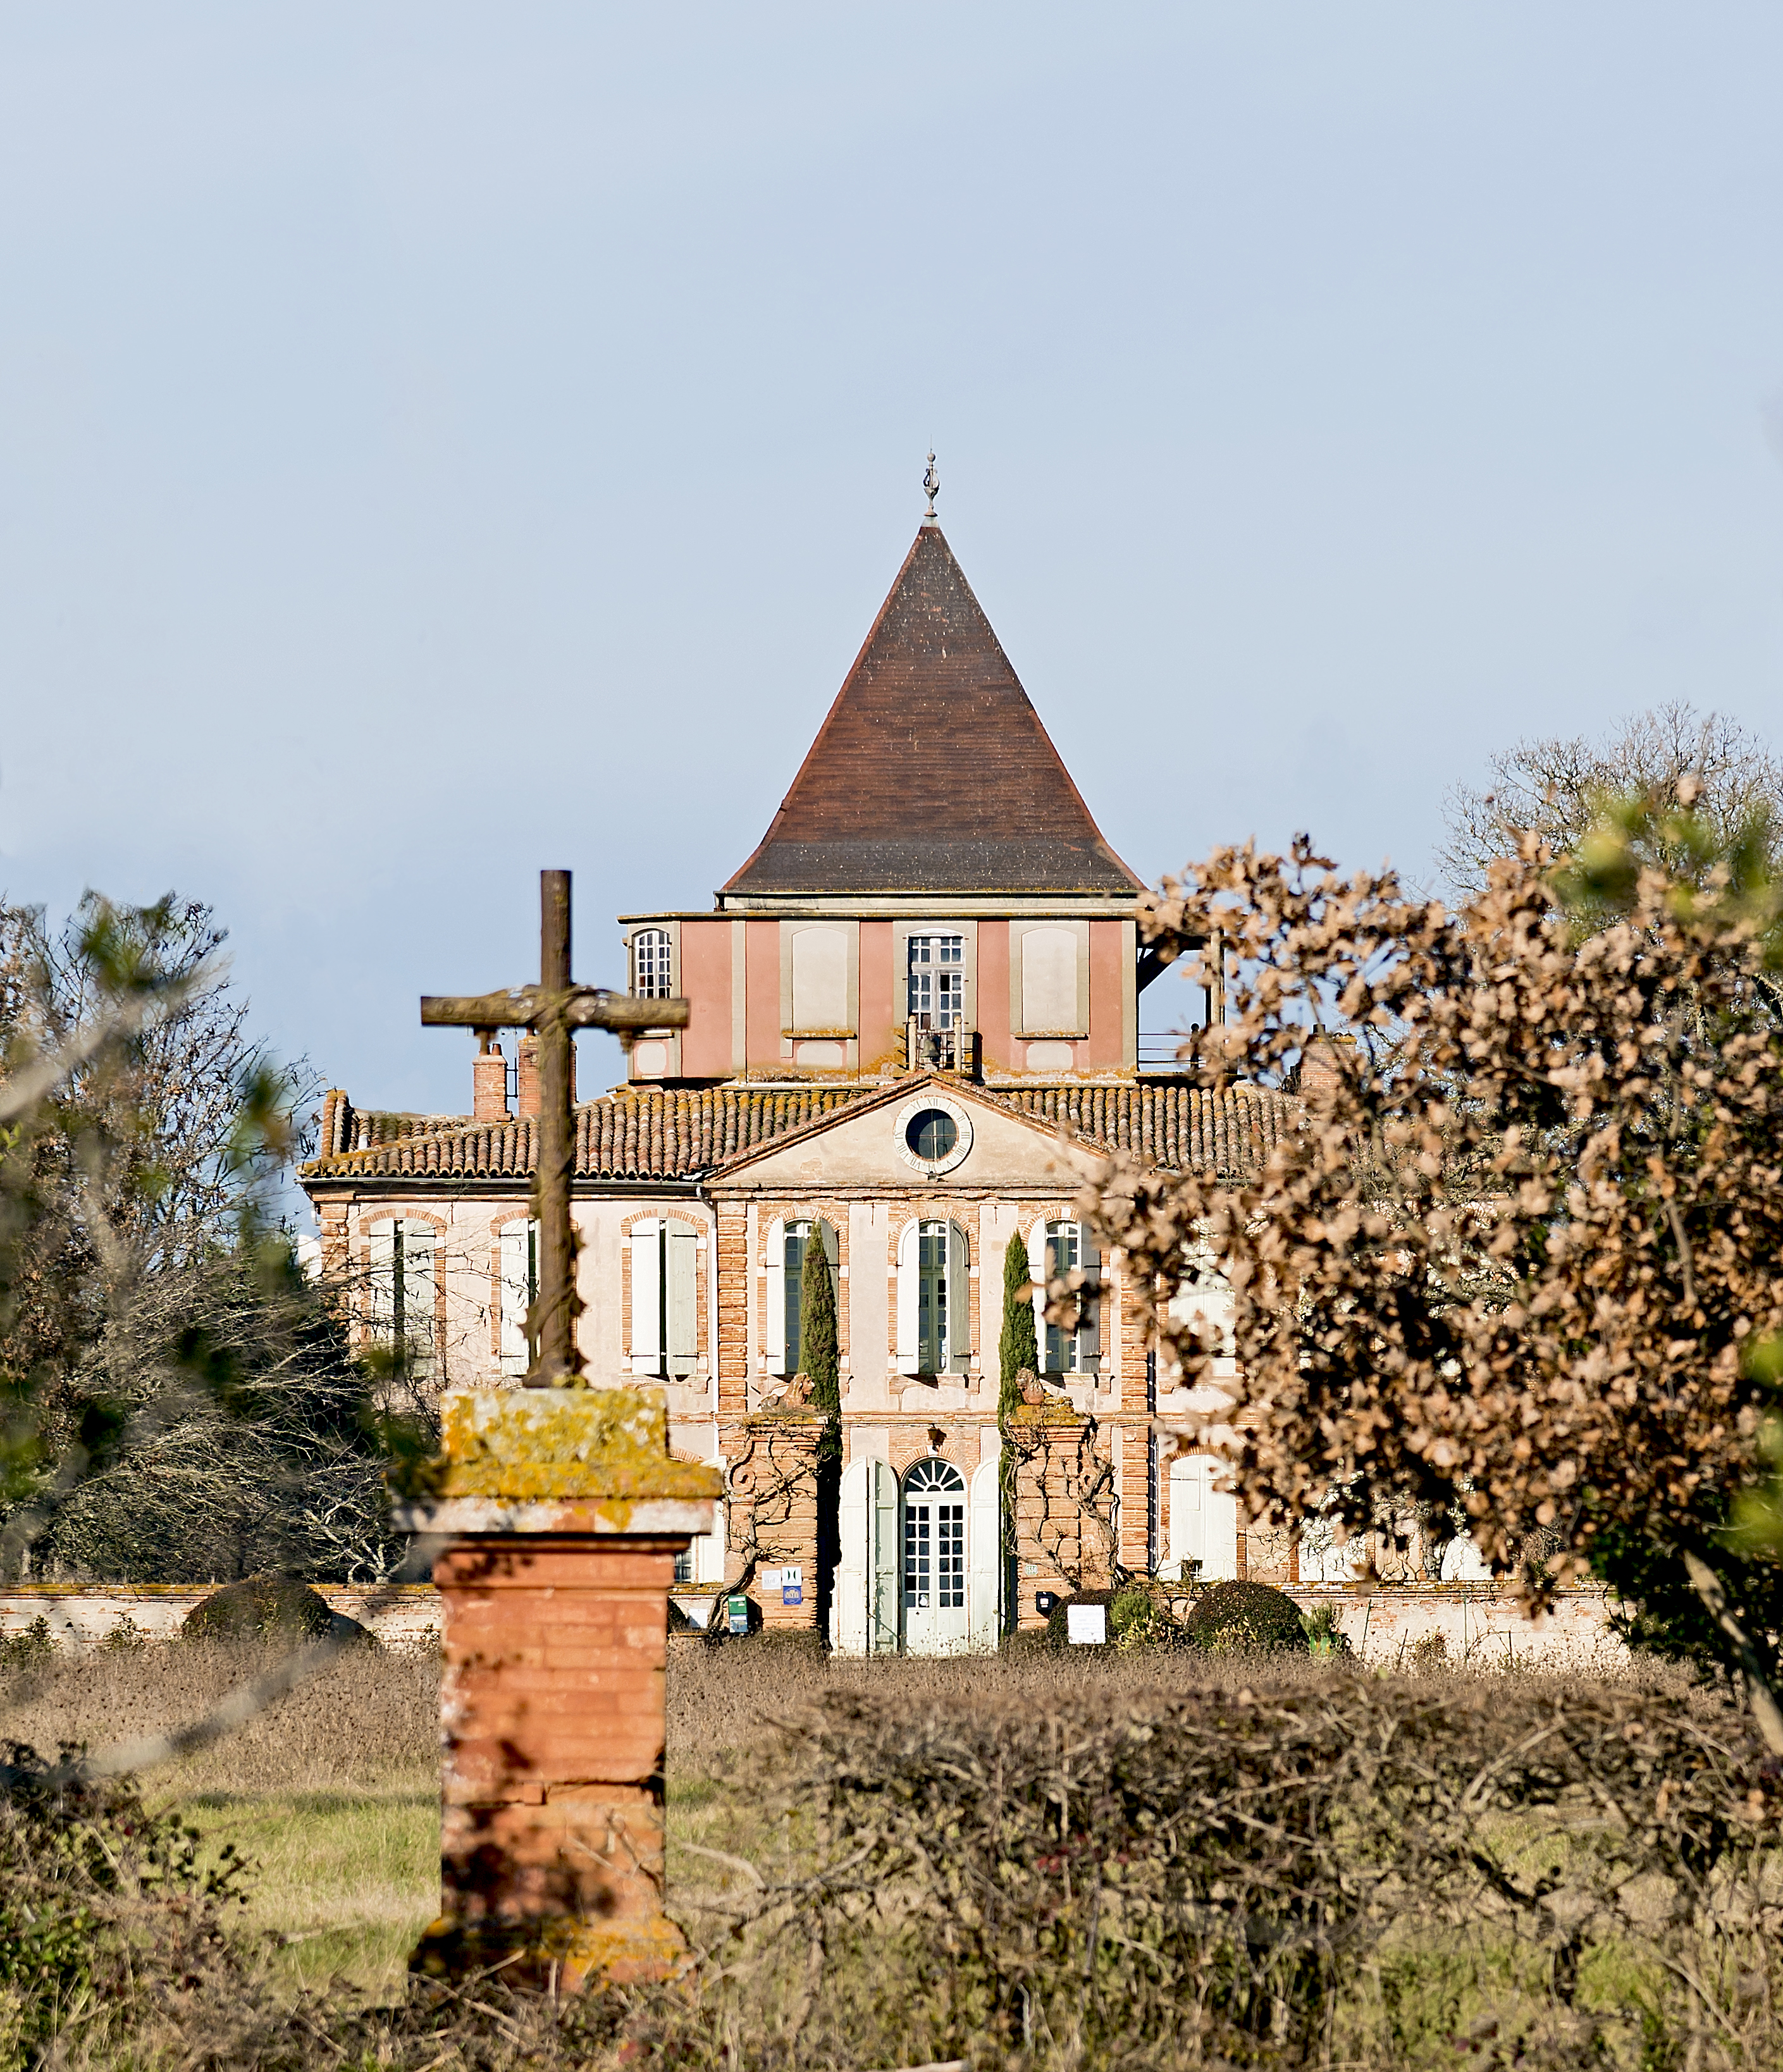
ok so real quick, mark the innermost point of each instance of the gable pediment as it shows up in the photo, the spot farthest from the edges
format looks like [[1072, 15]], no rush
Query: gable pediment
[[868, 1149]]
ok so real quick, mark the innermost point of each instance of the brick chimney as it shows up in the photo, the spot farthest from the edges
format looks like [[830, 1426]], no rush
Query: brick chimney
[[1324, 1062], [489, 1083], [529, 1075]]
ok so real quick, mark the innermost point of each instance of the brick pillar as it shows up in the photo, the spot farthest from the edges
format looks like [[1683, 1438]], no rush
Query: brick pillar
[[771, 1464], [1058, 1468], [561, 1514], [489, 1083]]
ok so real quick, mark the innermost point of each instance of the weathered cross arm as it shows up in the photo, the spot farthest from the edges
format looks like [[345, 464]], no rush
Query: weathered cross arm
[[584, 1007], [553, 1009]]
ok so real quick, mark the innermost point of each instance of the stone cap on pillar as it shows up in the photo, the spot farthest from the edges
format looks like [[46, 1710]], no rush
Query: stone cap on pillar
[[559, 1460]]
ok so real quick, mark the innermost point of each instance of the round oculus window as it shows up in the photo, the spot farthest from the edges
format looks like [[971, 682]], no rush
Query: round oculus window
[[931, 1133], [935, 1135]]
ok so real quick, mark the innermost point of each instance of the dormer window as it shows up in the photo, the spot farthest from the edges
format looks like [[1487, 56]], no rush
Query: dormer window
[[652, 965], [937, 990]]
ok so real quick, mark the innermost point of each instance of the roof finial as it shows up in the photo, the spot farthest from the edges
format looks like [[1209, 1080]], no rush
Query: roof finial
[[932, 485]]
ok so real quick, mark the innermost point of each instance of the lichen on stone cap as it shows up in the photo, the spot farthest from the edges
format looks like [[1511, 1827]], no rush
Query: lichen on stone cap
[[563, 1443]]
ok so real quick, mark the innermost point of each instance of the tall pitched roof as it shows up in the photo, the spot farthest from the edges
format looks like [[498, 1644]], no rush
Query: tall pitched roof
[[932, 772]]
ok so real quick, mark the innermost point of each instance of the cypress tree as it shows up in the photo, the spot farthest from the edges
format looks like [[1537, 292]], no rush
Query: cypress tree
[[820, 1358], [818, 1352], [1019, 1347]]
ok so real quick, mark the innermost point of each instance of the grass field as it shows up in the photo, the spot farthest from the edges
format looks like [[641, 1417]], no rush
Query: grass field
[[332, 1795]]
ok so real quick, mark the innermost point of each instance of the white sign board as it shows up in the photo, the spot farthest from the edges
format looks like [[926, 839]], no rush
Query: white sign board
[[1087, 1626]]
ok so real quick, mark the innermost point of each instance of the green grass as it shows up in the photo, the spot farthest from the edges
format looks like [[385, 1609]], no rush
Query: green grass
[[343, 1880]]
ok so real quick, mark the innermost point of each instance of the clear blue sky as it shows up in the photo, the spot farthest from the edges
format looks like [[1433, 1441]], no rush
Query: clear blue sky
[[439, 440]]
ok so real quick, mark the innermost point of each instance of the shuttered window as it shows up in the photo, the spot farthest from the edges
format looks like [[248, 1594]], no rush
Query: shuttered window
[[401, 1306], [1060, 1249], [665, 1310], [517, 1290]]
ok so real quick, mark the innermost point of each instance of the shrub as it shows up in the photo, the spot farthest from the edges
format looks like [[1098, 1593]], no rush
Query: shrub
[[1325, 1635], [1230, 1618], [99, 1898], [1138, 1618], [270, 1608], [34, 1648]]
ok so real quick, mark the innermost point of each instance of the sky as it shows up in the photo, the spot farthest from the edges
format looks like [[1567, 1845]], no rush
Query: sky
[[438, 441]]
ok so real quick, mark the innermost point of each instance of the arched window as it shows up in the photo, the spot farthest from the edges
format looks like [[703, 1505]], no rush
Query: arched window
[[934, 1537], [652, 964], [933, 1300], [401, 1312], [517, 1290], [1056, 1249]]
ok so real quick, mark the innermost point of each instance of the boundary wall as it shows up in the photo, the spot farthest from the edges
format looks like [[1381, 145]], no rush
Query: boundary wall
[[1480, 1627]]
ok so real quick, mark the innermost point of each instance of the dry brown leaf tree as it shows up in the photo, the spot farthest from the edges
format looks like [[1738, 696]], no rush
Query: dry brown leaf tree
[[1524, 1258]]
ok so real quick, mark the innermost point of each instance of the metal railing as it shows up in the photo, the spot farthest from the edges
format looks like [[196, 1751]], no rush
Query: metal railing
[[954, 1050], [1160, 1053]]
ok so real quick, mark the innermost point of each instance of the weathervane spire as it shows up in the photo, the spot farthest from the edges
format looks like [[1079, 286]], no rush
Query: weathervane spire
[[931, 485]]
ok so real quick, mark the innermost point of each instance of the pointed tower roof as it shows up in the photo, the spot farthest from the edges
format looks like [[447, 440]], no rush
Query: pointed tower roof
[[932, 772]]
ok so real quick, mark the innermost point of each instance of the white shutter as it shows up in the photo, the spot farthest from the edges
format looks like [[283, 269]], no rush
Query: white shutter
[[380, 1290], [1220, 1534], [1089, 1322], [854, 1564], [511, 1297], [959, 1300], [882, 1633], [418, 1325], [647, 1296], [774, 1320], [1037, 1268], [680, 1255], [1204, 1520], [985, 1559], [910, 1352]]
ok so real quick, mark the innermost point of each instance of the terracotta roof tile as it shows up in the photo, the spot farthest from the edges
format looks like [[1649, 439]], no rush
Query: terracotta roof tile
[[660, 1135]]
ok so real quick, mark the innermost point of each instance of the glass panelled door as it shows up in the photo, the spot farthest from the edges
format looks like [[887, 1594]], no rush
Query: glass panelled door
[[936, 1619], [937, 980]]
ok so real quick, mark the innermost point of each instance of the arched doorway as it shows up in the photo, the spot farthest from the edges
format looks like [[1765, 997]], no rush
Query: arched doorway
[[936, 1620]]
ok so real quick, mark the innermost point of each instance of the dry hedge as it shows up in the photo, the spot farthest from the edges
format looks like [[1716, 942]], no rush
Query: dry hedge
[[1050, 1869]]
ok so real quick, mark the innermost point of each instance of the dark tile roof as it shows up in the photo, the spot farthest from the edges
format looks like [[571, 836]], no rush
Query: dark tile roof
[[932, 772], [667, 1135]]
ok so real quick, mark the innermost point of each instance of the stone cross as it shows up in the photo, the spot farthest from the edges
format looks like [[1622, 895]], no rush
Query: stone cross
[[558, 1516], [553, 1009]]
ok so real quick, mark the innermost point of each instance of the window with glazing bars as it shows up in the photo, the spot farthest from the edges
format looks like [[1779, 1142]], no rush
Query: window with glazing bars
[[651, 976], [937, 994]]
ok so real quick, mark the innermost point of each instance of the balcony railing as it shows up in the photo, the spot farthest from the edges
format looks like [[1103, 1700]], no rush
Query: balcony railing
[[1159, 1053], [954, 1050]]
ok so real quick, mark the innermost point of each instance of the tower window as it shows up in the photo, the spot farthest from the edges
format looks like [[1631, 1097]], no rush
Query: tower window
[[937, 980], [652, 973]]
